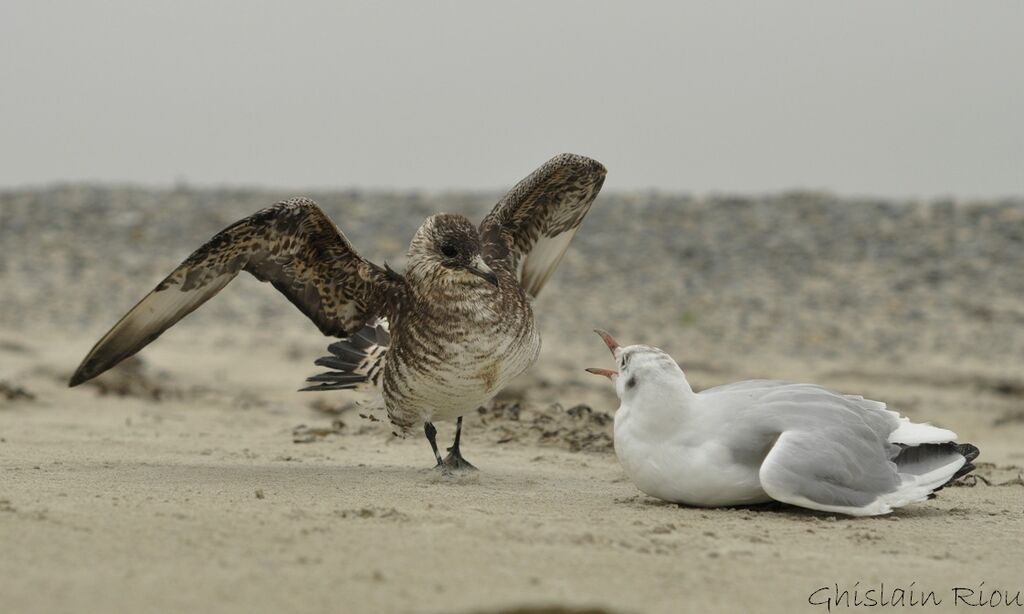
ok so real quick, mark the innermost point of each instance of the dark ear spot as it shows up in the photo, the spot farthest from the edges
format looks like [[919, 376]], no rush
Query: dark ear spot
[[631, 383]]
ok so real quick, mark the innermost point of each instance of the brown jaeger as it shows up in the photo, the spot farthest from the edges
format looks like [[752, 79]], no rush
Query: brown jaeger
[[437, 341]]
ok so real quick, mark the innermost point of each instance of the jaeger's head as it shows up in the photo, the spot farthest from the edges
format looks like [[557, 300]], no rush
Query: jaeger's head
[[446, 250], [638, 365]]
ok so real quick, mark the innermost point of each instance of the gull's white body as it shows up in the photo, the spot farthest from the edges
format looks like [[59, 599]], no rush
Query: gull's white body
[[658, 448], [754, 441]]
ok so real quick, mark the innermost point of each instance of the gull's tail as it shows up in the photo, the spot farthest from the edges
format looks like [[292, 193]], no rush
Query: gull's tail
[[357, 361]]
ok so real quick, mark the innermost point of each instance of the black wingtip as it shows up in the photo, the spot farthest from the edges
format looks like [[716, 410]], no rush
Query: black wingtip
[[968, 451], [91, 367], [80, 377]]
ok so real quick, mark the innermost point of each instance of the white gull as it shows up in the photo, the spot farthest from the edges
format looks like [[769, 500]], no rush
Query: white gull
[[759, 440]]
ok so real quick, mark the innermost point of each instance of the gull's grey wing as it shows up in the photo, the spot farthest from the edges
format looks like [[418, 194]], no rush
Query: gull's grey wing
[[294, 246], [834, 452], [847, 468], [531, 227], [753, 387], [817, 403], [830, 470]]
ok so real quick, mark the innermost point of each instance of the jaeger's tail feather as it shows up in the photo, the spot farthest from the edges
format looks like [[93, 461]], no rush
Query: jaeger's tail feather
[[357, 362]]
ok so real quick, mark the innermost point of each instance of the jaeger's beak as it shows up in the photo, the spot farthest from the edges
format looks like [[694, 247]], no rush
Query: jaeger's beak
[[479, 268], [605, 372], [608, 340]]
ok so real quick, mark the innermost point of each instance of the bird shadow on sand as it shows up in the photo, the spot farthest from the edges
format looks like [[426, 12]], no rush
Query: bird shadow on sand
[[279, 475], [776, 509]]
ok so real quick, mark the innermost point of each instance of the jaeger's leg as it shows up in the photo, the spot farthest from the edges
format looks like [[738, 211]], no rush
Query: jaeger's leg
[[431, 433], [454, 459]]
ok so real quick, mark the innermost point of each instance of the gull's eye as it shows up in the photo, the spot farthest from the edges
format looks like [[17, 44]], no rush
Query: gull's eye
[[449, 250]]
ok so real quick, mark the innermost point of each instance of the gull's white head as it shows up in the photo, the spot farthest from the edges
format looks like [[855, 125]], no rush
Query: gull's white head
[[642, 370]]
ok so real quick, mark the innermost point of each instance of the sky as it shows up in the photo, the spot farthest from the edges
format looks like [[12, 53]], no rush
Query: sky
[[880, 98]]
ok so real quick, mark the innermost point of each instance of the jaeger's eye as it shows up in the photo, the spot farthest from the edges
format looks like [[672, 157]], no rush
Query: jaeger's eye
[[449, 250]]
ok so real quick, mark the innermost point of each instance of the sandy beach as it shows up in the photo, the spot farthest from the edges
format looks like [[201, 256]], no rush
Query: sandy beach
[[197, 478]]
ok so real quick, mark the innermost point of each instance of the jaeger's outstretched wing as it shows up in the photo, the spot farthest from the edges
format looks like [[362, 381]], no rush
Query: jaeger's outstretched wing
[[294, 246], [531, 227]]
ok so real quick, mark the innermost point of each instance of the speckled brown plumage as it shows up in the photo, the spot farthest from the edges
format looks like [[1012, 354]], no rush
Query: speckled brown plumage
[[292, 245], [439, 340]]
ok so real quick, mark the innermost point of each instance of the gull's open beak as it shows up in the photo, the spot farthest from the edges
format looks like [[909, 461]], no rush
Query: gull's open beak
[[479, 268], [613, 346], [608, 340]]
